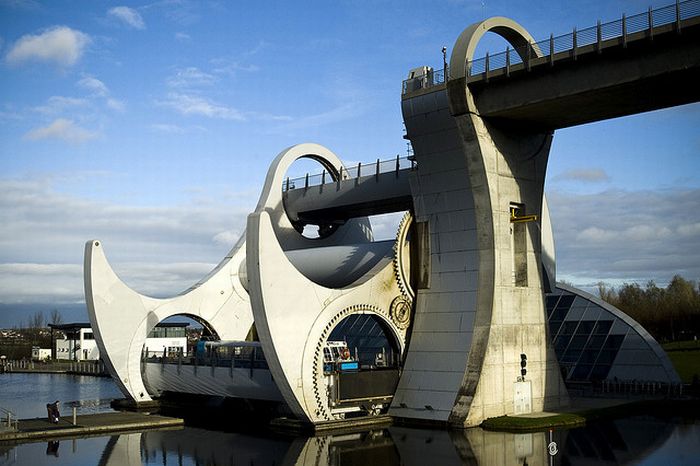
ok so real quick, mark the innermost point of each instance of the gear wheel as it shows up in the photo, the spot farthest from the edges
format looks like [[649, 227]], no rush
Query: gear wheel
[[401, 312], [402, 259]]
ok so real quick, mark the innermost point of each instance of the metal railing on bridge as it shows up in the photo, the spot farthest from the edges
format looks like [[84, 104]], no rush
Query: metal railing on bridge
[[358, 171], [569, 44], [8, 420], [619, 29], [431, 78]]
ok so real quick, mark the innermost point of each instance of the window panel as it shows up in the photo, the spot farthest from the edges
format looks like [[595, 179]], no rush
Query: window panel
[[568, 328], [602, 327], [600, 372], [585, 327], [581, 372]]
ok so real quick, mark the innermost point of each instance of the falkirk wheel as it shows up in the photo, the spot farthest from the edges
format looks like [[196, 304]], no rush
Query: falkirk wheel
[[459, 294]]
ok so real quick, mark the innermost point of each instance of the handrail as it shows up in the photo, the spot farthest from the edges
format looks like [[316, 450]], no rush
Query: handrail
[[432, 78], [358, 171], [8, 419], [618, 29], [673, 14]]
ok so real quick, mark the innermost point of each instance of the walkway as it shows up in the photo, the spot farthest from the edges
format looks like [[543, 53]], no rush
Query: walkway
[[88, 425]]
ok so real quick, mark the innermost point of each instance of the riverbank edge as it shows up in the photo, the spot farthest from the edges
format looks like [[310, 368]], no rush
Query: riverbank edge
[[88, 425], [579, 418], [58, 371]]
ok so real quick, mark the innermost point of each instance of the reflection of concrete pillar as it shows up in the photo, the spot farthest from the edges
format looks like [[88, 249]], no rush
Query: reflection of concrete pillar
[[417, 447], [503, 448], [484, 305], [123, 450]]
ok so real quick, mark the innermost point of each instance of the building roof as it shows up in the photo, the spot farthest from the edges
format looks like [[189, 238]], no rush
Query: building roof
[[78, 325], [71, 326]]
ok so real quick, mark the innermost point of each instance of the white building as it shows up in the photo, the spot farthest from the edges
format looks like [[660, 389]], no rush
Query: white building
[[39, 354], [78, 342]]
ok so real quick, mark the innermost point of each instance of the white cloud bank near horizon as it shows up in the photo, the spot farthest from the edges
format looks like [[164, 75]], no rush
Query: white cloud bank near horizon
[[159, 251], [633, 236], [612, 235]]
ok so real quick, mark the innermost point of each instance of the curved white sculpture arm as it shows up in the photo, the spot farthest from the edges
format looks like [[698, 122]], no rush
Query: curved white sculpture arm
[[293, 315], [121, 318]]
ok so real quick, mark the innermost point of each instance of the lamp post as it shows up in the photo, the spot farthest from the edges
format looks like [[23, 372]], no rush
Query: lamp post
[[444, 63]]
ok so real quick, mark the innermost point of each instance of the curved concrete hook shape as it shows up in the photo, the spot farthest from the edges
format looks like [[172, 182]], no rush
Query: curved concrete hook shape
[[293, 315], [121, 318], [466, 43], [271, 200]]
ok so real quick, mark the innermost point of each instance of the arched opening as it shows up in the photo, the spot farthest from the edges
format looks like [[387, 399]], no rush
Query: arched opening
[[361, 359], [305, 172], [176, 337], [370, 341]]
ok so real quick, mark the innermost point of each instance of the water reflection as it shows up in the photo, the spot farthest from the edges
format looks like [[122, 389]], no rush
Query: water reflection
[[633, 440], [26, 394], [52, 448], [610, 442]]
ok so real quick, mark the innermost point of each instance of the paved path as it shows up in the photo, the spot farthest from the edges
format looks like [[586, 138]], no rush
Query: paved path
[[88, 424]]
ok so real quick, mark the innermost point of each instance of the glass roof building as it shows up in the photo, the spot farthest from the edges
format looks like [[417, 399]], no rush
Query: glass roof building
[[595, 341]]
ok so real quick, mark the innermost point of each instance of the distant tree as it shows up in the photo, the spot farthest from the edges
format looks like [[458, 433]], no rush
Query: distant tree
[[36, 321], [669, 313], [56, 318], [606, 293]]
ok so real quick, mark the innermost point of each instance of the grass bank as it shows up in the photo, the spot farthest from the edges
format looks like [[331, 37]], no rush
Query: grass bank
[[685, 357], [661, 408]]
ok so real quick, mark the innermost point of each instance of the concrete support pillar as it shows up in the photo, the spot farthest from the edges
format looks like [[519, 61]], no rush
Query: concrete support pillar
[[484, 304]]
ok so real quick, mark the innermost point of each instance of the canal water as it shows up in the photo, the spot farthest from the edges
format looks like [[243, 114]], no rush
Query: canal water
[[26, 394], [642, 440]]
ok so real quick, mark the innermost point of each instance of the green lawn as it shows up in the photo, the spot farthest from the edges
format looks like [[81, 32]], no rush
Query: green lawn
[[682, 345], [687, 363]]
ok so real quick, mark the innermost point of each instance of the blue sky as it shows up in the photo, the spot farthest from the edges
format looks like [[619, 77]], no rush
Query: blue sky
[[150, 125]]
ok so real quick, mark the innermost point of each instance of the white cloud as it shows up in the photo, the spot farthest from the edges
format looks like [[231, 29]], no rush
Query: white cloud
[[64, 129], [190, 77], [28, 5], [229, 67], [60, 44], [340, 113], [182, 37], [167, 128], [585, 175], [227, 238], [97, 88], [626, 235], [94, 85], [115, 104], [690, 230], [59, 282], [195, 105], [128, 15], [159, 251], [57, 104]]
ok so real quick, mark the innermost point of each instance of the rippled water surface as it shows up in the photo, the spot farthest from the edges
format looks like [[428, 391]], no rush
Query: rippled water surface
[[642, 440], [26, 395]]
